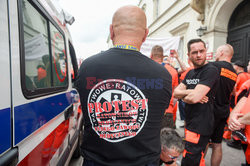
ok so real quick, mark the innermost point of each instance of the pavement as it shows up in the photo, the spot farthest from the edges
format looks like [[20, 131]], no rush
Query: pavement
[[231, 156], [76, 162]]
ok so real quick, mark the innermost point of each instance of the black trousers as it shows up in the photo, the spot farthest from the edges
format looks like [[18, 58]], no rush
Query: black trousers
[[193, 154]]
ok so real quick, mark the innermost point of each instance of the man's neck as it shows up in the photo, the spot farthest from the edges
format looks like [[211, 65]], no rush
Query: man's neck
[[157, 60], [240, 71], [130, 42], [225, 59]]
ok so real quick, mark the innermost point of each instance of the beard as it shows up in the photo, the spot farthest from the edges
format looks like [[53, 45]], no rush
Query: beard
[[199, 63]]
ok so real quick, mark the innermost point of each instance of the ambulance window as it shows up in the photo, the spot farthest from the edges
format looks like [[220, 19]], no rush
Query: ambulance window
[[36, 50], [43, 56], [59, 63], [73, 64]]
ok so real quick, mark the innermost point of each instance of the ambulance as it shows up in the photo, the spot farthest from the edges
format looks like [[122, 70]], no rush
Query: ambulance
[[40, 113]]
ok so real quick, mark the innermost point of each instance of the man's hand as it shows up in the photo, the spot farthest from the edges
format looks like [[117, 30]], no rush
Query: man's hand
[[197, 95], [174, 54], [234, 123], [204, 100], [181, 91]]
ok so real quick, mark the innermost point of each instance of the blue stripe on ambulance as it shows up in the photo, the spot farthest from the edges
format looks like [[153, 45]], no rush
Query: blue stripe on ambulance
[[29, 117], [5, 129]]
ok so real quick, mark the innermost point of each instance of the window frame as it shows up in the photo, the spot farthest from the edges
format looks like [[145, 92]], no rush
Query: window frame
[[52, 58], [30, 94], [74, 62]]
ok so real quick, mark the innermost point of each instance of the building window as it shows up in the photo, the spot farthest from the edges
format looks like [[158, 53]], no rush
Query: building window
[[155, 9], [180, 50]]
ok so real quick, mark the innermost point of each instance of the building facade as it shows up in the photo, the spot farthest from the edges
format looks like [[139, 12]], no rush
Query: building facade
[[215, 21]]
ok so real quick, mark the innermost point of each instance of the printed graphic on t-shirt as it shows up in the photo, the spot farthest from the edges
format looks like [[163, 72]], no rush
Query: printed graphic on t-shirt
[[229, 74], [192, 81], [117, 110]]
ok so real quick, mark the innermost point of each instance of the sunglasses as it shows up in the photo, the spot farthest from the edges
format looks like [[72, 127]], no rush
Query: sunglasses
[[172, 157]]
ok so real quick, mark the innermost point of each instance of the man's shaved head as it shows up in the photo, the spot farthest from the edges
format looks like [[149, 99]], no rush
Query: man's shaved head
[[129, 26], [224, 52], [129, 18], [227, 49]]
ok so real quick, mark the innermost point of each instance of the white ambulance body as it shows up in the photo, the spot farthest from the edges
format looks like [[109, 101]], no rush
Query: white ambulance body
[[40, 120]]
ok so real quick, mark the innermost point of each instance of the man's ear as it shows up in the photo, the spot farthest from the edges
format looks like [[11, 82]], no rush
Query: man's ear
[[221, 52], [145, 35], [151, 55], [111, 31]]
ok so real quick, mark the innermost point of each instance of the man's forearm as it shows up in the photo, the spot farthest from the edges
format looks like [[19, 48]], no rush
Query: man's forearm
[[191, 98], [182, 65], [238, 106], [188, 100], [235, 114], [245, 119], [180, 94]]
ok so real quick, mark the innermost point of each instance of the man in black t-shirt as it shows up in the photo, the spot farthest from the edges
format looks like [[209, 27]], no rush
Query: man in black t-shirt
[[226, 83], [198, 92], [124, 95]]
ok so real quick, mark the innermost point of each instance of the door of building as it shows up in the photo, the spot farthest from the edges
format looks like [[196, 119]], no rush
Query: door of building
[[239, 32]]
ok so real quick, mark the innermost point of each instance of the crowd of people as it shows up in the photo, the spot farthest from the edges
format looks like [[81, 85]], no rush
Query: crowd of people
[[130, 111]]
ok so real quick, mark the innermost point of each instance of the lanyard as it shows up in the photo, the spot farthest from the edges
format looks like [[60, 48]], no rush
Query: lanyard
[[124, 46]]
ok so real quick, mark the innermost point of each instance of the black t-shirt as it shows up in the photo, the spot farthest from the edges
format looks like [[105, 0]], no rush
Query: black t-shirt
[[199, 117], [124, 95], [227, 81], [248, 93]]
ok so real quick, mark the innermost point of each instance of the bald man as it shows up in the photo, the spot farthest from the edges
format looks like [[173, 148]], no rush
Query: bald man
[[124, 95], [227, 81]]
